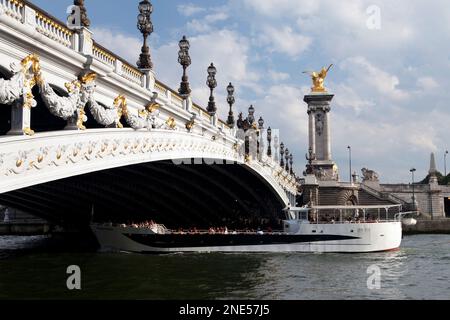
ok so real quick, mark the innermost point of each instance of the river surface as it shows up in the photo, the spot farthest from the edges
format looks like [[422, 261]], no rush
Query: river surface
[[420, 270]]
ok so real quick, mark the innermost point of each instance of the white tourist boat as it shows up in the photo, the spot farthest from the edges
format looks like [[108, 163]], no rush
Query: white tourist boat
[[352, 229]]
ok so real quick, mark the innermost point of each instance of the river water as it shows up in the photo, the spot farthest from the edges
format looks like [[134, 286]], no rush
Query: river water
[[420, 270]]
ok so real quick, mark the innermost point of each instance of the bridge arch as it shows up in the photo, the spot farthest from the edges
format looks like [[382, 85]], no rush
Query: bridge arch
[[97, 165]]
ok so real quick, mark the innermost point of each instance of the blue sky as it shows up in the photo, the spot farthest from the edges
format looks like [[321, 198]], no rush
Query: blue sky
[[391, 83]]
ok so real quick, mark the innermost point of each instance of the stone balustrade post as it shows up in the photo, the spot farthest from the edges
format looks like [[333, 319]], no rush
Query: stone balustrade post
[[20, 118]]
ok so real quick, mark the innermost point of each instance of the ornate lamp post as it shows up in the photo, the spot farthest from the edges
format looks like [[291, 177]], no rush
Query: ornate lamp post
[[445, 163], [185, 60], [269, 142], [231, 100], [261, 123], [211, 83], [145, 26], [310, 157], [350, 162], [287, 159], [291, 162], [260, 135], [282, 155], [251, 115], [85, 22], [414, 195]]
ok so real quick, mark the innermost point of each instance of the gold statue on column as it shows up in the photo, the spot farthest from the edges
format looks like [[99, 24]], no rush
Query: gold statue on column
[[318, 79]]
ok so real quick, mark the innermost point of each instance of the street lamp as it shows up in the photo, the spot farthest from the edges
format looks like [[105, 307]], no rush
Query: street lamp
[[445, 163], [211, 83], [84, 20], [414, 195], [185, 60], [251, 115], [259, 135], [145, 26], [350, 162], [282, 155], [287, 159], [291, 162], [231, 100], [269, 142]]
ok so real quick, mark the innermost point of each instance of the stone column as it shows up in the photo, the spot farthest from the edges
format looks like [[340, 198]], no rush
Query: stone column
[[320, 135]]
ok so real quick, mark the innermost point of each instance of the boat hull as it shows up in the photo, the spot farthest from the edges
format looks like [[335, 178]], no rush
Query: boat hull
[[356, 238]]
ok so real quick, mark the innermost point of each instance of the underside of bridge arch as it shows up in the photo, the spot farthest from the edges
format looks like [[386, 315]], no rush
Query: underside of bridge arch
[[190, 195], [5, 110]]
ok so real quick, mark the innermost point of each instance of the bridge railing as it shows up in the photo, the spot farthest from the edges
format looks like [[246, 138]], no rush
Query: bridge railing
[[54, 30], [13, 8]]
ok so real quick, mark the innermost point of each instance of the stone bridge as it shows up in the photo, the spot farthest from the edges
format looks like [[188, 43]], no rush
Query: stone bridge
[[82, 128]]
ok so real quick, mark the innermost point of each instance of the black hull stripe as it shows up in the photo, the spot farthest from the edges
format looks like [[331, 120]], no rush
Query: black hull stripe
[[207, 240]]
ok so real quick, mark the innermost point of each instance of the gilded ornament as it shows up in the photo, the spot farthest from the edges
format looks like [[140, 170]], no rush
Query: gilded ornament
[[171, 123], [318, 79]]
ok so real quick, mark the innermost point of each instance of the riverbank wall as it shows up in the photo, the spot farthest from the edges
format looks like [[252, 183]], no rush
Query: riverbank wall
[[435, 226], [24, 229]]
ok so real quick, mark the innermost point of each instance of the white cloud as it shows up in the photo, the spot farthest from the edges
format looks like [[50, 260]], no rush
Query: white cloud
[[189, 9], [279, 76], [284, 40], [362, 71], [206, 24], [128, 47], [347, 97], [281, 8], [427, 84]]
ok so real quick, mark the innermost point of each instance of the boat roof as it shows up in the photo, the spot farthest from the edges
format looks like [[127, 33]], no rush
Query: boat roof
[[343, 207]]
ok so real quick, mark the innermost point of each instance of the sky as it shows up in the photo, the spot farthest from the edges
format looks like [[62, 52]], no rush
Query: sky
[[390, 77]]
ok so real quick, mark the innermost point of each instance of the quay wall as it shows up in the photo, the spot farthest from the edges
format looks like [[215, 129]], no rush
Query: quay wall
[[24, 229], [436, 226]]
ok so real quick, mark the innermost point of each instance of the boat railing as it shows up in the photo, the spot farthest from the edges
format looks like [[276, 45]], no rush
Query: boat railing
[[230, 232], [349, 214]]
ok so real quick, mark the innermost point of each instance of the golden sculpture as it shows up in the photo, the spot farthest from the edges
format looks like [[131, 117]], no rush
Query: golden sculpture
[[190, 124], [152, 107], [171, 123], [32, 61], [121, 105], [318, 79], [88, 78]]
